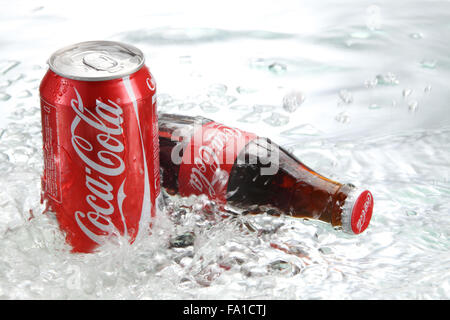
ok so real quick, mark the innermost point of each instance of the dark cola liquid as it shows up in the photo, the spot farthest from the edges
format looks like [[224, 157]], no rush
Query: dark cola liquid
[[293, 189]]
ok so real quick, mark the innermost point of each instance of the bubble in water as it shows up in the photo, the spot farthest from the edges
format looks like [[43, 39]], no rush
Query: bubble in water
[[346, 96], [277, 119], [342, 117], [293, 100], [277, 68], [428, 63]]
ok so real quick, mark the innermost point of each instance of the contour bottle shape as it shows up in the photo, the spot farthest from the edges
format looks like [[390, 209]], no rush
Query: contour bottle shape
[[233, 167]]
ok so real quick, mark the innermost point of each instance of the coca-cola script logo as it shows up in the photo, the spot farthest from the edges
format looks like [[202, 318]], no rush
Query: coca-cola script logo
[[99, 165], [206, 172], [362, 218]]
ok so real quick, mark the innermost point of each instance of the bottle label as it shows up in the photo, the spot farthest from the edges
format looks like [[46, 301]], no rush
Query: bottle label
[[208, 159]]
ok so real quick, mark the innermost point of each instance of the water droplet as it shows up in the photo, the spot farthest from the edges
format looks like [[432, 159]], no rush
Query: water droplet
[[217, 89], [283, 267], [209, 107], [222, 100], [277, 120], [342, 117], [163, 99], [406, 93], [325, 250], [251, 117], [373, 19], [428, 63], [277, 68], [293, 100], [182, 241], [413, 105], [229, 99], [388, 79], [5, 83], [416, 35], [411, 213], [4, 96], [6, 66], [263, 108], [360, 35], [371, 83], [257, 63], [24, 94], [245, 90], [186, 106], [242, 108], [346, 96]]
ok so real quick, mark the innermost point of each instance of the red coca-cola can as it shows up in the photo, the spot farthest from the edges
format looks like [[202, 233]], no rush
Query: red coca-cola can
[[100, 142]]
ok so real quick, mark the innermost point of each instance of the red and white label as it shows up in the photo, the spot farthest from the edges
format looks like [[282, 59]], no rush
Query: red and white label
[[208, 159]]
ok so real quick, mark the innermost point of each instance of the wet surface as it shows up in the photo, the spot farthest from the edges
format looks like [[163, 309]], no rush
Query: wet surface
[[359, 92]]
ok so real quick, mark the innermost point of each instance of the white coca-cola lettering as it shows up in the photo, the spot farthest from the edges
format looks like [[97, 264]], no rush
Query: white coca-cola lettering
[[362, 217], [107, 162], [151, 84], [207, 160]]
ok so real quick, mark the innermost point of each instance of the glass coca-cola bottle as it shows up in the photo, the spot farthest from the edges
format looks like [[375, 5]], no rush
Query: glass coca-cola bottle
[[252, 174]]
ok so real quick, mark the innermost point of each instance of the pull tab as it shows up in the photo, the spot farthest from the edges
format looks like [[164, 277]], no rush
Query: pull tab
[[101, 62]]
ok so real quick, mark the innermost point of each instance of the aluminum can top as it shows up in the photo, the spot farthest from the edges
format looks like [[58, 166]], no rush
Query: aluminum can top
[[96, 60]]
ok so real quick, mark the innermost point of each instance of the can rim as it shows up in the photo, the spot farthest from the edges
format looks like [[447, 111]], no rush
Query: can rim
[[132, 48]]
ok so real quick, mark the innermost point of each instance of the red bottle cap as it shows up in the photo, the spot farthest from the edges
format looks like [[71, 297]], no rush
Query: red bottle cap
[[357, 211]]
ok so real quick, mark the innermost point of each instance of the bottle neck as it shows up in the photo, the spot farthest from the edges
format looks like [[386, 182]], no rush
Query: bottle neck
[[318, 198]]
